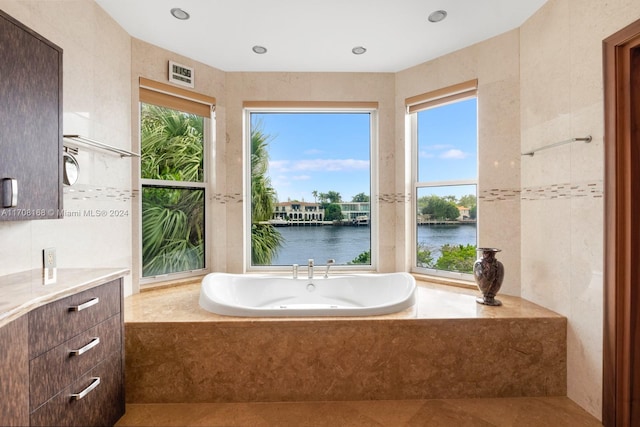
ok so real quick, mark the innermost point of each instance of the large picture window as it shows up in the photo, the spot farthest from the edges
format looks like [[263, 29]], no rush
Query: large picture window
[[310, 180], [174, 139], [444, 135]]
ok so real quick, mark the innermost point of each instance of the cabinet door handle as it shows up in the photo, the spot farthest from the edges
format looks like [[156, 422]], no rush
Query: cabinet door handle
[[87, 304], [9, 193], [94, 342], [83, 393]]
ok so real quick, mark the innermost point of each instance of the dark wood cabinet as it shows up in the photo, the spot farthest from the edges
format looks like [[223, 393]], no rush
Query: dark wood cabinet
[[14, 373], [61, 364], [30, 122]]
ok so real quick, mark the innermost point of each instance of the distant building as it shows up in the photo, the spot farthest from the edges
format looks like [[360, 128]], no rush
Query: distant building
[[298, 211], [292, 212], [356, 211], [464, 213]]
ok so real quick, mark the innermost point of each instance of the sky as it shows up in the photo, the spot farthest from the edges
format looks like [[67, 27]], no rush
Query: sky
[[317, 151], [330, 151]]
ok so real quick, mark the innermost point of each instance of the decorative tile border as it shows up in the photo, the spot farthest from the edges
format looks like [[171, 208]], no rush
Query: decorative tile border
[[99, 193], [394, 198], [593, 189], [223, 199], [499, 194], [553, 191]]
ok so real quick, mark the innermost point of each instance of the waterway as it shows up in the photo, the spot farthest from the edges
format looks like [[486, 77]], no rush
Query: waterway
[[345, 243]]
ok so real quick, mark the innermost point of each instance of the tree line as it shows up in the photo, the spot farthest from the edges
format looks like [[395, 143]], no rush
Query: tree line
[[446, 208]]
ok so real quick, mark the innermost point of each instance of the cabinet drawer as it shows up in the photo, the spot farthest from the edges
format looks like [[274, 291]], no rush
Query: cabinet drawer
[[102, 405], [54, 323], [59, 367]]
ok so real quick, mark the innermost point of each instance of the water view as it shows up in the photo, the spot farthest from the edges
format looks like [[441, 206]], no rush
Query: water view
[[345, 243]]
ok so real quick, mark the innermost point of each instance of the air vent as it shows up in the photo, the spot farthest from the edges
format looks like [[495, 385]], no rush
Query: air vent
[[180, 74]]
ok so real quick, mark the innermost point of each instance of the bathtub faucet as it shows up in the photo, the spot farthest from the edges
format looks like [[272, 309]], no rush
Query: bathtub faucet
[[330, 262], [310, 268]]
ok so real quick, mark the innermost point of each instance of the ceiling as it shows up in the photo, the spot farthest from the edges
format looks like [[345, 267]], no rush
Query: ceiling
[[317, 35]]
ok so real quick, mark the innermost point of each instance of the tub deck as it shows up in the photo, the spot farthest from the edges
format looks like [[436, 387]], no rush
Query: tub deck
[[445, 346]]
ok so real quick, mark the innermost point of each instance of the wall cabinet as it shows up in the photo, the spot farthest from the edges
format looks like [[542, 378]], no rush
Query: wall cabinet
[[30, 123], [63, 363]]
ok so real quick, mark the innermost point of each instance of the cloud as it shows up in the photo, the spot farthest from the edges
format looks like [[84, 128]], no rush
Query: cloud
[[313, 151], [301, 178], [438, 147], [425, 155], [281, 181], [454, 154], [278, 165], [325, 165]]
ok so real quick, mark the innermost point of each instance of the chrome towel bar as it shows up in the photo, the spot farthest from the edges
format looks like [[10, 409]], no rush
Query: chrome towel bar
[[78, 139], [586, 139]]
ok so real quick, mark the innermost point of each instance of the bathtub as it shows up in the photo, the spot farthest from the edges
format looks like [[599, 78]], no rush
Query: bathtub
[[269, 296]]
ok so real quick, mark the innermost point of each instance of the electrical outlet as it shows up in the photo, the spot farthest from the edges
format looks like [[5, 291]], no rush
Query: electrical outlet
[[49, 257]]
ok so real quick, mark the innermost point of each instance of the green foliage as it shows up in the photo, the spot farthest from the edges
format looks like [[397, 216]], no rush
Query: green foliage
[[439, 208], [330, 197], [360, 197], [172, 144], [363, 258], [332, 212], [457, 258], [442, 207], [424, 258], [473, 212], [172, 218], [470, 201], [265, 239]]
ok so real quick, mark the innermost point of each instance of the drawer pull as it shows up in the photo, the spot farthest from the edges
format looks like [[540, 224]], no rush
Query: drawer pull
[[87, 304], [94, 342], [83, 393]]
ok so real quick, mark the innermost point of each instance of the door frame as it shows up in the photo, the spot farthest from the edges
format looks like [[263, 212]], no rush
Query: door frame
[[621, 352]]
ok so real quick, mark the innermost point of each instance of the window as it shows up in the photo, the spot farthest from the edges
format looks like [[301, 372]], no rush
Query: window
[[444, 135], [174, 140], [310, 179]]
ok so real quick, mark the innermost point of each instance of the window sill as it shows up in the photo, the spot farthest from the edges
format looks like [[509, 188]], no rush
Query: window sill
[[170, 283], [467, 284]]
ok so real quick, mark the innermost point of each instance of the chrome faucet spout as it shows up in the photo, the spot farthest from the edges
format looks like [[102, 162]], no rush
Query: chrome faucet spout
[[330, 262], [310, 268]]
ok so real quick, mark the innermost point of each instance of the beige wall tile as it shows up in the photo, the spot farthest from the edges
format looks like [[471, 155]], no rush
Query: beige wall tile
[[96, 104]]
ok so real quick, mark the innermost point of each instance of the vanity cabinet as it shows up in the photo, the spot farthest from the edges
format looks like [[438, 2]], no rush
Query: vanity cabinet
[[14, 373], [64, 363], [31, 124]]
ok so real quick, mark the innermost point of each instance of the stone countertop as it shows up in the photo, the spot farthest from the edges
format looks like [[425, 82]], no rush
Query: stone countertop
[[433, 301], [25, 291]]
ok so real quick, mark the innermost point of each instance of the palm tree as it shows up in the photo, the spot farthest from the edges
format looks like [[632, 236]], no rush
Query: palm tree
[[265, 239], [172, 218]]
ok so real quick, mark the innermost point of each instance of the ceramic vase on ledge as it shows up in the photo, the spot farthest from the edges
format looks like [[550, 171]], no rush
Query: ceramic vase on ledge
[[488, 273]]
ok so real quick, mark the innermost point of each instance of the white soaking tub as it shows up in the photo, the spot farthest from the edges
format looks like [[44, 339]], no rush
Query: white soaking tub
[[270, 296]]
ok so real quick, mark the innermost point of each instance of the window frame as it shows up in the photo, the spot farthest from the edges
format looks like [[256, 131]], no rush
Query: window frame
[[285, 107], [414, 105], [181, 97]]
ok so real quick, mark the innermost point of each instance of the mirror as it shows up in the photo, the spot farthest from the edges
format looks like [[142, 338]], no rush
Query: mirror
[[71, 169]]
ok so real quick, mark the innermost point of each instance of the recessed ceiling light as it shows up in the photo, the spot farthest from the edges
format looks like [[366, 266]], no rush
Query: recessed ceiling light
[[358, 50], [259, 49], [437, 16], [179, 14]]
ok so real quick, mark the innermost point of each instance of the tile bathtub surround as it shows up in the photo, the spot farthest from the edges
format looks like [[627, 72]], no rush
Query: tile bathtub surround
[[503, 412], [446, 346]]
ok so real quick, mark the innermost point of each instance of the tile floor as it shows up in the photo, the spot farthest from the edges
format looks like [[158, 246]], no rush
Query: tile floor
[[506, 412]]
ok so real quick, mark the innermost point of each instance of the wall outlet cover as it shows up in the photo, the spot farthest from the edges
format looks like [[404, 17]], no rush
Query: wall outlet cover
[[49, 257]]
